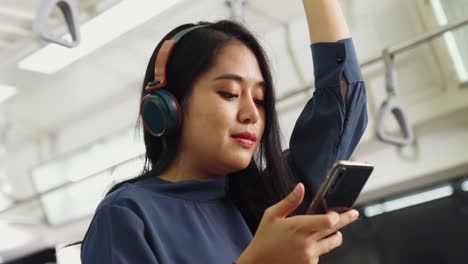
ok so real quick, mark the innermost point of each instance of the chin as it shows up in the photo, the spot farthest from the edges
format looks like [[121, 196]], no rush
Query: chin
[[235, 163], [242, 163]]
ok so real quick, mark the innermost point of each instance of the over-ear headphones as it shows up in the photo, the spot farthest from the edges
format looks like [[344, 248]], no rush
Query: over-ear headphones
[[160, 111]]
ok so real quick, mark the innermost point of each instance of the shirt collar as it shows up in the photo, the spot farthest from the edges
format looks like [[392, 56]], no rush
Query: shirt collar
[[196, 189]]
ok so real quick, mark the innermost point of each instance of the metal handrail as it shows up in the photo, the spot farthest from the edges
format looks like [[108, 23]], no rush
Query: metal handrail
[[393, 50]]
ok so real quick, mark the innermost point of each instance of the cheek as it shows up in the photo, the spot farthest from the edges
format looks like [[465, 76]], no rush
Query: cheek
[[211, 123]]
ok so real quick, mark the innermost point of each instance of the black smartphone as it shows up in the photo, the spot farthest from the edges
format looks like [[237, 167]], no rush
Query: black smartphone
[[341, 187]]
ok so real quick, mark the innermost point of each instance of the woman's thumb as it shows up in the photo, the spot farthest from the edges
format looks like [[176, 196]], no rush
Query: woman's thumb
[[286, 206]]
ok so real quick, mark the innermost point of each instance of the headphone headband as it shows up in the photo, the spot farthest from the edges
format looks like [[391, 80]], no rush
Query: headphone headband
[[163, 57]]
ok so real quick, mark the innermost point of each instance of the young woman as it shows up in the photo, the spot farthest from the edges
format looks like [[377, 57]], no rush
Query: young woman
[[216, 187]]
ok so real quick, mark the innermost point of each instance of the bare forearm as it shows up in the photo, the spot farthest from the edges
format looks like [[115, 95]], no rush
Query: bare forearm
[[325, 20]]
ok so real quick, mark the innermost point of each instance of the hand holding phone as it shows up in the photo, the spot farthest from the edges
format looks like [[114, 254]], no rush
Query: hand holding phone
[[341, 187]]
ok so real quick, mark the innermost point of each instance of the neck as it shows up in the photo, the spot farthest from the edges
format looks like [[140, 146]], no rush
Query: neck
[[184, 168]]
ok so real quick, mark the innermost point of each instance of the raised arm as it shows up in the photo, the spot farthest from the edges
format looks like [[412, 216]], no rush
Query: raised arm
[[326, 23], [334, 119], [325, 20]]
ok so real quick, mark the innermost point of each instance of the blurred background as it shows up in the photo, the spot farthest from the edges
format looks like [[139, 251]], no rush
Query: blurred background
[[68, 115]]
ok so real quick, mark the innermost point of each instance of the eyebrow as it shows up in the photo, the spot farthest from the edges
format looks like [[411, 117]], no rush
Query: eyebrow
[[237, 78]]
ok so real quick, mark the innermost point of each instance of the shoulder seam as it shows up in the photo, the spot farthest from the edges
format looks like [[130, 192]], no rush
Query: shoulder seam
[[118, 192]]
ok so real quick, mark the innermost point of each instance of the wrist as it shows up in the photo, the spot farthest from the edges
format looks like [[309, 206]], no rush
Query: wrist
[[247, 257]]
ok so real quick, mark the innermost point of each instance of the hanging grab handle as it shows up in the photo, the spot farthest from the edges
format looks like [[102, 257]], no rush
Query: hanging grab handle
[[70, 12], [392, 105]]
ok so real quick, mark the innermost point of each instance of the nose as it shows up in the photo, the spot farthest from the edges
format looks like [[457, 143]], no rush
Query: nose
[[248, 112]]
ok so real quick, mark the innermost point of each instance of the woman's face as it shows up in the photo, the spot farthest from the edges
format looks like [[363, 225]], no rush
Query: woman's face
[[225, 101]]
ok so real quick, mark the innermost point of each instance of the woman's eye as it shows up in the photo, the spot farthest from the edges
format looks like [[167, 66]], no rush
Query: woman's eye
[[260, 102], [231, 96], [228, 95]]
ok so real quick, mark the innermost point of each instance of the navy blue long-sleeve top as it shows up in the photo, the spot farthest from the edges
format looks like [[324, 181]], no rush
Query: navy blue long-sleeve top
[[156, 221]]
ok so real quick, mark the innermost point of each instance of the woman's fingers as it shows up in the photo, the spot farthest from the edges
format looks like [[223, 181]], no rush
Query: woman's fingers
[[344, 220], [314, 223], [284, 207], [320, 226], [328, 244]]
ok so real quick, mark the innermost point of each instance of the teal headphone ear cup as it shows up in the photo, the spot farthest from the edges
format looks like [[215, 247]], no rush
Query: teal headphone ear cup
[[152, 113], [173, 108], [161, 113]]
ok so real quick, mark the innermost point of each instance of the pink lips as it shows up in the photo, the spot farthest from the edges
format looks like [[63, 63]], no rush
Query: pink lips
[[245, 139], [246, 135]]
